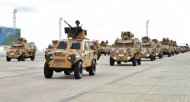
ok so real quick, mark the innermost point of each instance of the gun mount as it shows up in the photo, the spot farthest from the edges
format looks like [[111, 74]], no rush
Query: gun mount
[[127, 35], [75, 32], [145, 39], [155, 40], [21, 41]]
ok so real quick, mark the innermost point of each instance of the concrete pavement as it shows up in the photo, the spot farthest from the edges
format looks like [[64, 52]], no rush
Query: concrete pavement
[[163, 80]]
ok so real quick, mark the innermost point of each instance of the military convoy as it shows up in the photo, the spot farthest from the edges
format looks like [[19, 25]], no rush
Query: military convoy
[[21, 50], [167, 47], [126, 49], [72, 55], [104, 48], [149, 49], [159, 52]]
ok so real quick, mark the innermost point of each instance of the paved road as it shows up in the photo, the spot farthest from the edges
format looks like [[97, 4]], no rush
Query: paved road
[[164, 80]]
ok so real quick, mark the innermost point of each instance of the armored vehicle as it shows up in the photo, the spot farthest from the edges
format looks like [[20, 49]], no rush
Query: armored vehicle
[[148, 48], [166, 47], [51, 47], [104, 48], [21, 50], [184, 48], [159, 52], [72, 55], [175, 47], [127, 49]]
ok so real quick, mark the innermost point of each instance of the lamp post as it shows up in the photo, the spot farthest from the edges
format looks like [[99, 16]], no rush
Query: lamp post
[[60, 19], [147, 27], [14, 17]]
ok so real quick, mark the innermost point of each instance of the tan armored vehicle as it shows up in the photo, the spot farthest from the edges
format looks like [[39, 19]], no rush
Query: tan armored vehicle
[[148, 48], [166, 47], [72, 55], [175, 47], [51, 47], [21, 50], [184, 49], [104, 48], [127, 49], [159, 52]]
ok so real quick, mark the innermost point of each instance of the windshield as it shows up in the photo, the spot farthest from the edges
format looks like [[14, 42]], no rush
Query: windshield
[[16, 47], [62, 45], [75, 46], [124, 44], [146, 46]]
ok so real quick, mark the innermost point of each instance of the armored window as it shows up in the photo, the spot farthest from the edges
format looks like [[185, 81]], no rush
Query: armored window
[[146, 45], [75, 46], [62, 45]]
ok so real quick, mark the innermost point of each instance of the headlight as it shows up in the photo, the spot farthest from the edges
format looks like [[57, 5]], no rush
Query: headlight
[[49, 57], [72, 58], [124, 51], [129, 58], [117, 51]]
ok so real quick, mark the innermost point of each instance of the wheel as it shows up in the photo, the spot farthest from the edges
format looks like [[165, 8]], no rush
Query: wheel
[[23, 58], [67, 72], [154, 57], [118, 62], [48, 73], [108, 53], [134, 61], [8, 59], [19, 59], [78, 70], [111, 61], [99, 54], [105, 54], [169, 55], [92, 69], [151, 57], [139, 61], [32, 58], [160, 56]]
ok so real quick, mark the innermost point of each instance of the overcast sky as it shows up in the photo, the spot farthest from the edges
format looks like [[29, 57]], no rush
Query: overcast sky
[[103, 19]]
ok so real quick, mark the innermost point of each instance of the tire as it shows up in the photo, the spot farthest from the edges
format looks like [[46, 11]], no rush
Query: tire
[[78, 70], [154, 57], [118, 62], [134, 61], [108, 53], [99, 54], [23, 58], [92, 69], [48, 73], [8, 59], [32, 58], [151, 58], [67, 72], [111, 61], [160, 56], [169, 55], [105, 54], [139, 61]]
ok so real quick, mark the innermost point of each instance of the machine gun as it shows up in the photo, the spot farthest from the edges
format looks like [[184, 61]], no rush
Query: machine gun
[[72, 31], [68, 24]]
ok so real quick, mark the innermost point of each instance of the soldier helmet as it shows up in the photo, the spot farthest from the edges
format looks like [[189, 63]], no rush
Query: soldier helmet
[[77, 22]]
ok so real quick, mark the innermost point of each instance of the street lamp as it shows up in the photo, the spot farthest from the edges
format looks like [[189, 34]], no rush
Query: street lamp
[[60, 19], [14, 17], [147, 27]]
